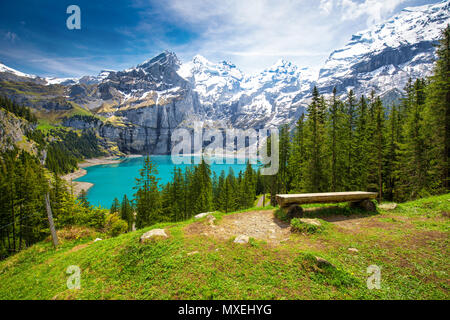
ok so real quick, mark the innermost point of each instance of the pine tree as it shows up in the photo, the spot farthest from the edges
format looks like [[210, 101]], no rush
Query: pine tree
[[82, 198], [336, 132], [437, 119], [284, 153], [379, 145], [249, 187], [297, 156], [316, 179], [392, 137], [115, 207], [147, 196], [126, 212], [362, 147], [412, 166], [350, 110]]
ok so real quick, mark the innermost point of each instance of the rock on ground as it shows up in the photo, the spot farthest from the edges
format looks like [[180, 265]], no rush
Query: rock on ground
[[201, 215], [314, 222], [153, 233], [241, 239], [353, 250], [387, 206], [322, 262]]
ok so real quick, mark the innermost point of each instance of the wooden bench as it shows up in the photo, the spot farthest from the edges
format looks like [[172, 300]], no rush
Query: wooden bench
[[291, 202]]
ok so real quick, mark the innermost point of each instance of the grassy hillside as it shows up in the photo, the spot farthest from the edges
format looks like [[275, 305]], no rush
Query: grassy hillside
[[200, 261]]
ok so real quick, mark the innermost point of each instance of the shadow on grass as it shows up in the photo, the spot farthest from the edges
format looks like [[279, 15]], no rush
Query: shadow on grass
[[336, 213], [327, 213]]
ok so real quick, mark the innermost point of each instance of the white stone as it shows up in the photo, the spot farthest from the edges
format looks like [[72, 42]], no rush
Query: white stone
[[388, 206], [353, 250], [97, 239], [153, 233], [201, 215], [241, 239], [314, 222]]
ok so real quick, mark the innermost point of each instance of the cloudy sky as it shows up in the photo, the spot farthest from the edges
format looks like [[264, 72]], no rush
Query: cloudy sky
[[252, 34]]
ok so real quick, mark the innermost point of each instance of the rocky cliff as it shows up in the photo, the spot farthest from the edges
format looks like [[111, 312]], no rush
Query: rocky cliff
[[13, 132]]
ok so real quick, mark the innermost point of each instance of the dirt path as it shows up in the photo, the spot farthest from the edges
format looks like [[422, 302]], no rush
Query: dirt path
[[260, 225], [260, 202]]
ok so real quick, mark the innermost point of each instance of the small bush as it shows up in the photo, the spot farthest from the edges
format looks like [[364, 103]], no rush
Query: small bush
[[115, 226], [281, 215], [74, 233]]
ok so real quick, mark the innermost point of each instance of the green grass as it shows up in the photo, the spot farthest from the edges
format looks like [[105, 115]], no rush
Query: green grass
[[409, 244]]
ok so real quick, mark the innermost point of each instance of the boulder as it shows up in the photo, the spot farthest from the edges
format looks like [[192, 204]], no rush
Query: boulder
[[314, 222], [387, 206], [155, 233], [321, 262], [201, 215], [241, 239]]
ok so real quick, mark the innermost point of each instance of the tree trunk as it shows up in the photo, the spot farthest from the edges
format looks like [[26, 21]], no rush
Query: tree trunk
[[50, 220]]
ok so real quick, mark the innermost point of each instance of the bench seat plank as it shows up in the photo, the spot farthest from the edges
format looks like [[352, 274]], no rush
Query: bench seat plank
[[285, 200]]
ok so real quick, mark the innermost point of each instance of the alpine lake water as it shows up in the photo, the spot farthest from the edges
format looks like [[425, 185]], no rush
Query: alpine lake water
[[115, 180]]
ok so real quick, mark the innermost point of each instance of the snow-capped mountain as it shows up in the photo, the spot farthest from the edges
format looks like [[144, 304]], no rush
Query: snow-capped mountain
[[95, 79], [385, 56], [9, 70], [239, 100], [216, 84], [142, 105]]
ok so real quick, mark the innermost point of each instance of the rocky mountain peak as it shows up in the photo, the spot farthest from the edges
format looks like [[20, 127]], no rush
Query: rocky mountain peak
[[167, 59], [384, 56]]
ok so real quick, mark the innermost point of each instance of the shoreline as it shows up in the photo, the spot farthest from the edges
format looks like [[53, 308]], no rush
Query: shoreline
[[78, 186]]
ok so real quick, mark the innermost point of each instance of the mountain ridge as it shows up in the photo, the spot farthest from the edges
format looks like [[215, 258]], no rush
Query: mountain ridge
[[143, 104]]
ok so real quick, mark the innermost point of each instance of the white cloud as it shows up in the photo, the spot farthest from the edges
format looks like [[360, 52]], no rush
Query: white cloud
[[374, 10], [253, 34], [326, 6]]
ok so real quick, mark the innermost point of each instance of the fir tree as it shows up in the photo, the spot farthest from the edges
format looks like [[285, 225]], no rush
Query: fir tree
[[147, 196]]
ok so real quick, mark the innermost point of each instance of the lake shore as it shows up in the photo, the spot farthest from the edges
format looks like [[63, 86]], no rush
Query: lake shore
[[78, 186]]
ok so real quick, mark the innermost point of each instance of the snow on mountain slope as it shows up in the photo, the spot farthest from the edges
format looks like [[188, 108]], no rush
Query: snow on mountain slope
[[385, 56], [239, 100], [215, 83], [380, 58], [7, 69]]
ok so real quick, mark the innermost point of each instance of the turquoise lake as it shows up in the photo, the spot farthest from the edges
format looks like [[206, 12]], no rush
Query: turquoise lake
[[115, 180]]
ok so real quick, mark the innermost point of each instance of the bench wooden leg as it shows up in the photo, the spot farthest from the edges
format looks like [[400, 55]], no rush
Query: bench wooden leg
[[364, 204], [293, 211]]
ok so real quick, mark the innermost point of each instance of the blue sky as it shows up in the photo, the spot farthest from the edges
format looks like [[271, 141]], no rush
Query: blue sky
[[252, 34]]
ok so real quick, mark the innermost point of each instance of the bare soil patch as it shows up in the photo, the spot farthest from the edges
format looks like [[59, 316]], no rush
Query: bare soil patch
[[260, 225]]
